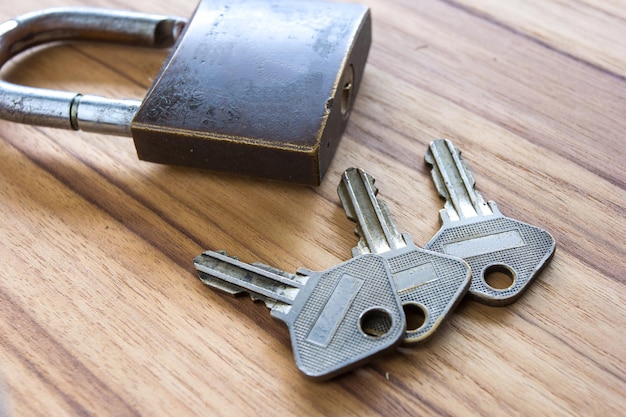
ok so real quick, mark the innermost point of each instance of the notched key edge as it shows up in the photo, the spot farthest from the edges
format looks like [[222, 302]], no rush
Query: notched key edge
[[236, 290]]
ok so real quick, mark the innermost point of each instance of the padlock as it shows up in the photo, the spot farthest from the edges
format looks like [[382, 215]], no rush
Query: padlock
[[255, 87]]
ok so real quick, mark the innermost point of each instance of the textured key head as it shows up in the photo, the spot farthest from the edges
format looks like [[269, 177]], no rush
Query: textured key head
[[331, 319], [430, 285], [505, 254]]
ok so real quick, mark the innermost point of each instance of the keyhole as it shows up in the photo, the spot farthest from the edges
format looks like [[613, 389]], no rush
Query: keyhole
[[376, 322], [499, 277], [346, 92]]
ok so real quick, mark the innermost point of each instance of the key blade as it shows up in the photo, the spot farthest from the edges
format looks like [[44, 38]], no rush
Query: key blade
[[228, 274], [375, 226], [505, 255], [454, 181], [217, 283]]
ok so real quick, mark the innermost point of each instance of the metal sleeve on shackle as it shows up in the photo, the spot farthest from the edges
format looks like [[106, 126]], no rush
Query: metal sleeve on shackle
[[68, 110]]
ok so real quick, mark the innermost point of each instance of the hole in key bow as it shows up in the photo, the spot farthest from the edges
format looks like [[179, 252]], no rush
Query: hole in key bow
[[376, 322], [499, 277], [415, 316]]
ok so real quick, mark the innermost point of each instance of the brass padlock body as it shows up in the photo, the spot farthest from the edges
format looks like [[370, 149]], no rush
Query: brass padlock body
[[254, 87]]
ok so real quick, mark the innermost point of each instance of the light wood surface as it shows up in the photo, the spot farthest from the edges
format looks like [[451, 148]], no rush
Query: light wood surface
[[100, 309]]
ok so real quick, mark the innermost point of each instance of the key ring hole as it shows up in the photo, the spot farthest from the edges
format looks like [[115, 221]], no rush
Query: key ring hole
[[499, 277], [375, 322], [416, 316]]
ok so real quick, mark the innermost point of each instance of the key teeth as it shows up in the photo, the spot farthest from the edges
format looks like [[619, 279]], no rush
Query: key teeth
[[358, 232], [233, 289], [223, 252], [361, 248], [428, 157]]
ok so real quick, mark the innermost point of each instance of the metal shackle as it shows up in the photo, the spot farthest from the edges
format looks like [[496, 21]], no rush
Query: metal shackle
[[76, 111]]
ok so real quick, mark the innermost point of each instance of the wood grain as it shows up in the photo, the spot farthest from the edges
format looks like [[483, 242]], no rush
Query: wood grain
[[101, 312]]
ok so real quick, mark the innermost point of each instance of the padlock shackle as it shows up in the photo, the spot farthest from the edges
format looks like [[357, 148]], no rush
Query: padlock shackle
[[75, 111]]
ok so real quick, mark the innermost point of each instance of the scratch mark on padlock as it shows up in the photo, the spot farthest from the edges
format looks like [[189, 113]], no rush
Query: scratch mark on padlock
[[329, 105], [329, 38]]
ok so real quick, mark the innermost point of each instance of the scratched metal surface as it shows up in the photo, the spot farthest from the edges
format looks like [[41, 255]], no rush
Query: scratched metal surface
[[101, 312]]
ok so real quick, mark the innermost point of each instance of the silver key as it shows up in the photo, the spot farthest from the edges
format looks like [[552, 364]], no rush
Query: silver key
[[338, 319], [429, 284], [505, 254]]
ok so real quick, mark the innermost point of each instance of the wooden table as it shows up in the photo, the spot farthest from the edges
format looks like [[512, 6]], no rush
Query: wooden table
[[101, 312]]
